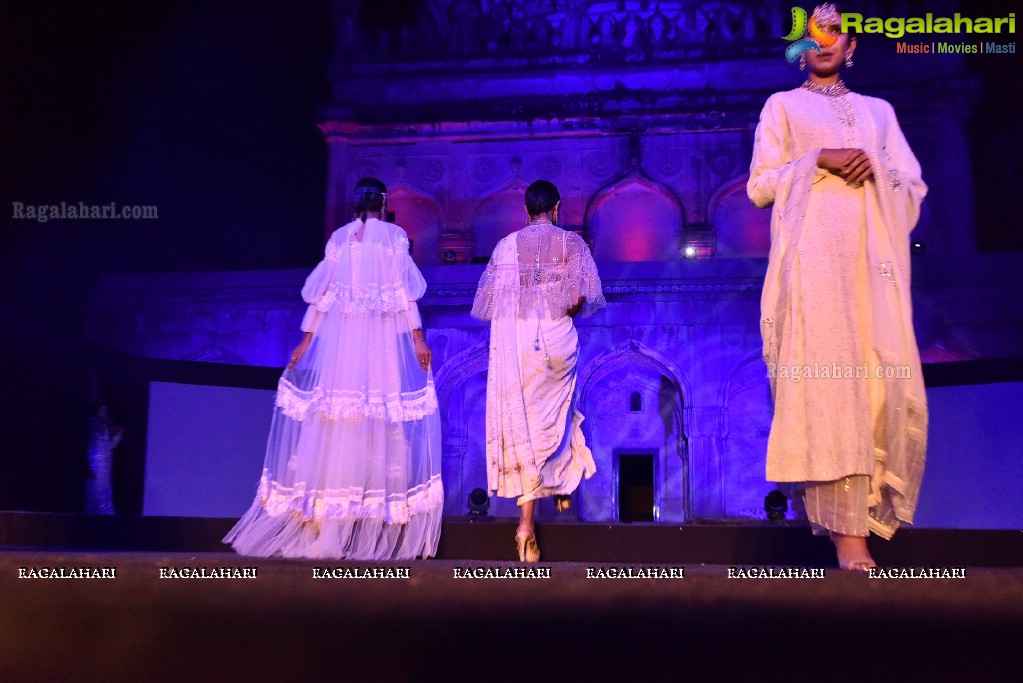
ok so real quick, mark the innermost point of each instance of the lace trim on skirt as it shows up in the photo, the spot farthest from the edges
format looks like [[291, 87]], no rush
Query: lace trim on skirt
[[336, 404], [350, 503]]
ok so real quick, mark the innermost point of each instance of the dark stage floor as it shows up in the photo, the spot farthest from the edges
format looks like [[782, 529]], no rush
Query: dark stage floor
[[490, 539], [284, 624]]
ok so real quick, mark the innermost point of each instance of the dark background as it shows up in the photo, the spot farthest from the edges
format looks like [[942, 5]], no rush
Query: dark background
[[208, 111]]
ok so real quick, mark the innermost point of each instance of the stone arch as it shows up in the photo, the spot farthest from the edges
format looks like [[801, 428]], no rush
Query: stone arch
[[635, 219], [422, 218], [498, 215], [748, 410], [604, 389], [743, 230], [461, 384]]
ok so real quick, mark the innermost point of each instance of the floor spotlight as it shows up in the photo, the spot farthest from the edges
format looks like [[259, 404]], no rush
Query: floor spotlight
[[479, 503], [776, 505]]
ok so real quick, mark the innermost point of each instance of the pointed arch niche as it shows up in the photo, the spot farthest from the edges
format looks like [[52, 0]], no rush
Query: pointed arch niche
[[462, 398], [743, 230], [747, 424], [613, 431], [635, 219], [498, 215], [421, 217]]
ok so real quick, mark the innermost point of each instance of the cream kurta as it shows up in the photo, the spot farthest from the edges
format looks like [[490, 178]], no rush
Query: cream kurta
[[836, 297], [535, 444]]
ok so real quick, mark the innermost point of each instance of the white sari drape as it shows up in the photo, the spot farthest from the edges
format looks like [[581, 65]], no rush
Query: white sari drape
[[535, 443], [352, 467], [826, 235]]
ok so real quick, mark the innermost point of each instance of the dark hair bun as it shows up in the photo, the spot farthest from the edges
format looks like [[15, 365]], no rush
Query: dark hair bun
[[369, 195], [541, 197]]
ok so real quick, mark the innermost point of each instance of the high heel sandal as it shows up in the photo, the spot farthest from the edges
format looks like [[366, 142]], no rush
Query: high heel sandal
[[860, 561], [562, 503], [529, 551]]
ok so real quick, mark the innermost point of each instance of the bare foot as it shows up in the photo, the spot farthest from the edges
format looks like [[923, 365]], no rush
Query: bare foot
[[852, 552]]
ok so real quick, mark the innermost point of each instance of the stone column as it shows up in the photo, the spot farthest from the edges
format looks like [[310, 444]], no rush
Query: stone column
[[338, 207], [703, 426]]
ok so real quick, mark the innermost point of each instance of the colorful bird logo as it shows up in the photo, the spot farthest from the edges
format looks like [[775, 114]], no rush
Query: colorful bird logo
[[818, 37]]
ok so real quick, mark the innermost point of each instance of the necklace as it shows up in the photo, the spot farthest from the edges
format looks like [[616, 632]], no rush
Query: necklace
[[830, 90]]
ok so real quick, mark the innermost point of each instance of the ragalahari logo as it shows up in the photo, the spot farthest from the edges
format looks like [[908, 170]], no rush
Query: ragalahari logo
[[808, 36]]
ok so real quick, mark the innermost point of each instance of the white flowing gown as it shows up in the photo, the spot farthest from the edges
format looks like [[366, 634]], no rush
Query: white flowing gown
[[535, 443], [352, 466]]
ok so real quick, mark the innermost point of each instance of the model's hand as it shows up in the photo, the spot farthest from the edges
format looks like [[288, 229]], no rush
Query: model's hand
[[574, 311], [300, 350], [851, 164], [424, 354]]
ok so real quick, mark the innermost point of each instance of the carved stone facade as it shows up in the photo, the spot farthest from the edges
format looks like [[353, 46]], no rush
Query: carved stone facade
[[642, 113]]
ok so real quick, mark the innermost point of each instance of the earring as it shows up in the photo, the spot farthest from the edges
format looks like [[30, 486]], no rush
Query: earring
[[848, 59], [554, 216], [802, 62]]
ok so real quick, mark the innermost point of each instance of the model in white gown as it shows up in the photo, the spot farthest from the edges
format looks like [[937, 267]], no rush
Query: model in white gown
[[535, 445], [539, 278], [352, 465]]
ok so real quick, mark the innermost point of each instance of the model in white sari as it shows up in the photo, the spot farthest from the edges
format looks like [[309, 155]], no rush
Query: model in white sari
[[537, 280], [352, 465], [850, 412]]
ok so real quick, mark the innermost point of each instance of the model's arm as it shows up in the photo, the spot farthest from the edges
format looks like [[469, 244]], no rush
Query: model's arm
[[773, 164], [904, 176], [574, 310], [583, 295], [300, 350], [423, 352], [484, 304], [313, 290], [415, 287]]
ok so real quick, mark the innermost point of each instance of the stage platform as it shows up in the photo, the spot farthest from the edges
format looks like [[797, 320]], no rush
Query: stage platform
[[436, 625], [491, 539], [465, 615]]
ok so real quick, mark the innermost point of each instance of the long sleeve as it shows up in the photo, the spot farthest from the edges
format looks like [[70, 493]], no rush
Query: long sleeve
[[415, 287], [316, 285], [772, 163], [904, 174], [582, 280], [485, 303]]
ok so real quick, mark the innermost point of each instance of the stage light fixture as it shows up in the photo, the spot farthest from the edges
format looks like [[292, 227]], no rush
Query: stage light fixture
[[449, 257], [479, 503], [776, 505]]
